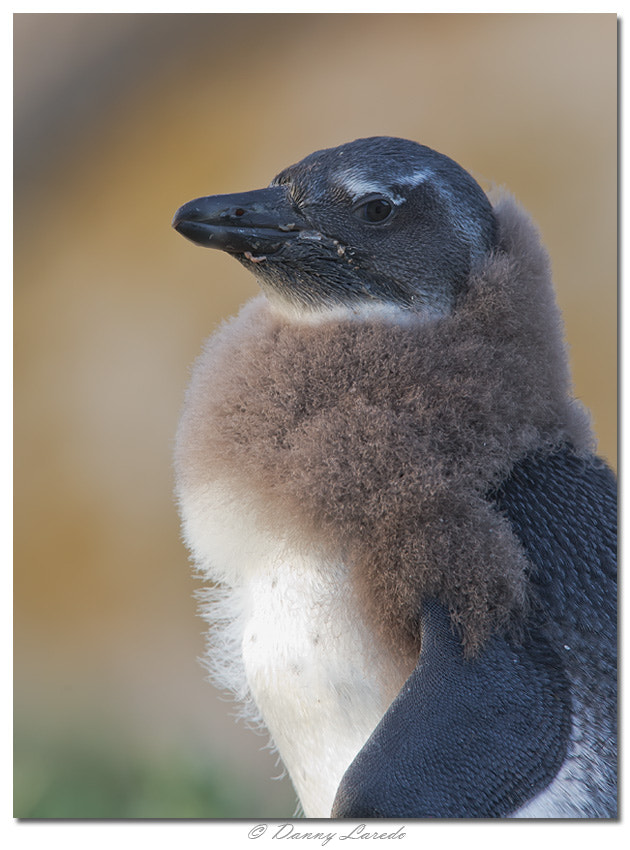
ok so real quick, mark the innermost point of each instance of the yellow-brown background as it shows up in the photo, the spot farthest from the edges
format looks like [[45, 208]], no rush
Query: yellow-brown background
[[118, 120]]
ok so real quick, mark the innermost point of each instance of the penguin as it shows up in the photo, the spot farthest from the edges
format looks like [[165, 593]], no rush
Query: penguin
[[384, 476]]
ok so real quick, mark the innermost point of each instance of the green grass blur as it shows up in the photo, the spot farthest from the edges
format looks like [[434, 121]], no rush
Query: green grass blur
[[70, 779]]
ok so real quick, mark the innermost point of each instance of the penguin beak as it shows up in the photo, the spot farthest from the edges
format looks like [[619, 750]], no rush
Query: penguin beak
[[258, 222]]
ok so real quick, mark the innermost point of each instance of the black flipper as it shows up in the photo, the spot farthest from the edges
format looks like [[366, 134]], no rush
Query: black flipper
[[464, 738]]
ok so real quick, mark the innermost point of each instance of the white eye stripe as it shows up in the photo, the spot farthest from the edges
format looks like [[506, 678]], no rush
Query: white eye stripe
[[415, 179], [359, 187]]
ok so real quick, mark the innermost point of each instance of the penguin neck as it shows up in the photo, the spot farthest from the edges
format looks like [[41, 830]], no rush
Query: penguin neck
[[359, 311]]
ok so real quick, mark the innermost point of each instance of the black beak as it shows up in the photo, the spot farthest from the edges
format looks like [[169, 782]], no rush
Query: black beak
[[258, 222]]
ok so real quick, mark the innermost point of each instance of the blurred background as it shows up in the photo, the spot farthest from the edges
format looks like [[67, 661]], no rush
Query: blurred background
[[119, 119]]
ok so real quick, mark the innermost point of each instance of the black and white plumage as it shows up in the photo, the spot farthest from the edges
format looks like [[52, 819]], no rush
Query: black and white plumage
[[381, 466]]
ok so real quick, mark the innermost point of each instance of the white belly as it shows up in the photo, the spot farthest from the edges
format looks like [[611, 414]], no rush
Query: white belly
[[287, 634]]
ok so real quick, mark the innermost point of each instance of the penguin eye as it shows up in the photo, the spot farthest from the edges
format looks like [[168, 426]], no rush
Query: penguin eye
[[376, 210]]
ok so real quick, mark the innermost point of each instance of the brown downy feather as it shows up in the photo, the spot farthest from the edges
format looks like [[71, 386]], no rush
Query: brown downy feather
[[379, 441]]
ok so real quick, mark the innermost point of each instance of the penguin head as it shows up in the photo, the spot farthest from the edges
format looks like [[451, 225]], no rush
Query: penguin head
[[378, 221]]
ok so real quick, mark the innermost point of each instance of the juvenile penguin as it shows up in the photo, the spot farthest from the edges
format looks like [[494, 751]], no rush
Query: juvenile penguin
[[383, 473]]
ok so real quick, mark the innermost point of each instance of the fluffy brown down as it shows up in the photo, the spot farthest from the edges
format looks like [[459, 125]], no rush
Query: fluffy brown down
[[379, 442]]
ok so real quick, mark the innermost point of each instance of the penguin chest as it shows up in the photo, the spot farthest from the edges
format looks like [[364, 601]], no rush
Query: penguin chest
[[287, 634], [314, 672]]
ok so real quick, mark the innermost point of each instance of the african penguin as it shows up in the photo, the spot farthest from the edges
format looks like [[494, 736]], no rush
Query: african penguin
[[383, 474]]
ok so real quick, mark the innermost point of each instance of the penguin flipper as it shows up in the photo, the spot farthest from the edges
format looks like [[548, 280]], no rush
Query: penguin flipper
[[463, 738]]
